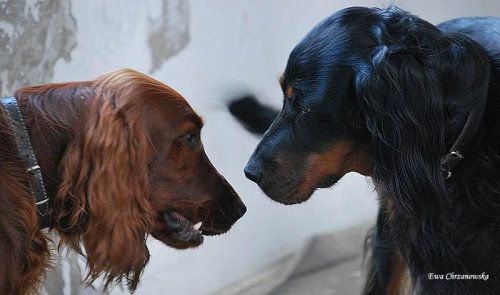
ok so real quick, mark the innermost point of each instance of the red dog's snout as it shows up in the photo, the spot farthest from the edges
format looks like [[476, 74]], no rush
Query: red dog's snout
[[236, 205], [240, 209]]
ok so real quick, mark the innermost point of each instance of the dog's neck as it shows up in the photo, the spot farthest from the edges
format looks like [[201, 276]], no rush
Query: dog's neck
[[51, 126], [25, 150]]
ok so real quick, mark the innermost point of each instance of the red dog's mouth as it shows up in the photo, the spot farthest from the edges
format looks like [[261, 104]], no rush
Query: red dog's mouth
[[177, 221], [178, 231], [183, 227]]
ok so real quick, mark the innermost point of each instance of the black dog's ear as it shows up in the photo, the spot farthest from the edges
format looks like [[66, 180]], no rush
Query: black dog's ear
[[415, 85], [403, 104], [253, 115]]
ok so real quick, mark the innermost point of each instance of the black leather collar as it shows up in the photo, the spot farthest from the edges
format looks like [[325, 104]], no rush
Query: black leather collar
[[466, 136], [26, 151]]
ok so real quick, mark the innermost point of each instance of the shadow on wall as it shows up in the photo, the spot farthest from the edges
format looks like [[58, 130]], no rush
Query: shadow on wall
[[169, 33]]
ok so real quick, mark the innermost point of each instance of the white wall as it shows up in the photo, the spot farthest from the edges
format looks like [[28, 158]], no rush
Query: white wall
[[233, 45]]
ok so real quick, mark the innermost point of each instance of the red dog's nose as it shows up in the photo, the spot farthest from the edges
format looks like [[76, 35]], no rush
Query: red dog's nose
[[240, 209]]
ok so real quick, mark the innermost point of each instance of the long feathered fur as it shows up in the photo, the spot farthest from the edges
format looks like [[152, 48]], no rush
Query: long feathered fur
[[100, 189], [104, 148], [107, 168], [412, 89]]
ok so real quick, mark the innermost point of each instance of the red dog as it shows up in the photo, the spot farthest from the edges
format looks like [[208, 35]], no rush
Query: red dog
[[121, 157]]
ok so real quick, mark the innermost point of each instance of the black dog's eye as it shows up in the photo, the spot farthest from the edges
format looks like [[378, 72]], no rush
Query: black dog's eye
[[299, 108], [304, 110]]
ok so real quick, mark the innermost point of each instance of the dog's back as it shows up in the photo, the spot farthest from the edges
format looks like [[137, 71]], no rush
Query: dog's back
[[484, 30], [257, 117]]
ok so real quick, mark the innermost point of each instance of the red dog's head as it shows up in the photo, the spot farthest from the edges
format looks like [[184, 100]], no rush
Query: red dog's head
[[131, 163]]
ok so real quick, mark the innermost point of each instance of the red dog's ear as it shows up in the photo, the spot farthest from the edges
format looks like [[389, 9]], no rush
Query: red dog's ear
[[102, 199]]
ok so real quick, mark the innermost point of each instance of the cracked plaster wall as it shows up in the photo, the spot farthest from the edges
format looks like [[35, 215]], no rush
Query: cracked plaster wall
[[34, 35]]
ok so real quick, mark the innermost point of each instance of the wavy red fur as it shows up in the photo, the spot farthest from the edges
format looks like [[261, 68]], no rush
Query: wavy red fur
[[108, 150]]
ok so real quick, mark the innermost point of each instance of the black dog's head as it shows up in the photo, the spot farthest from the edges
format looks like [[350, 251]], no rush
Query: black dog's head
[[378, 92]]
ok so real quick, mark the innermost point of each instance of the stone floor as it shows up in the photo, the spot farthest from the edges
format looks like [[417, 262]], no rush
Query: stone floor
[[328, 264]]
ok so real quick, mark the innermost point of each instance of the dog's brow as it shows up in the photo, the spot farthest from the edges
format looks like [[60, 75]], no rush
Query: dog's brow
[[282, 80], [289, 91], [198, 121], [191, 123]]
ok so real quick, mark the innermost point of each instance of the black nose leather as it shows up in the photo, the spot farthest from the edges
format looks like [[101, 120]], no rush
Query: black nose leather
[[240, 210], [253, 173]]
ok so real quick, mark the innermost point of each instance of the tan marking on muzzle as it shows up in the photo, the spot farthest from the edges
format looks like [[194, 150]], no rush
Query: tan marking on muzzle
[[340, 158]]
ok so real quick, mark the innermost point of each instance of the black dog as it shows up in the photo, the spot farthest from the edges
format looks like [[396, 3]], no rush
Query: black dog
[[414, 106]]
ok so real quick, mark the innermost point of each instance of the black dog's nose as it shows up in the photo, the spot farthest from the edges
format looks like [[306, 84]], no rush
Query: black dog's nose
[[253, 173]]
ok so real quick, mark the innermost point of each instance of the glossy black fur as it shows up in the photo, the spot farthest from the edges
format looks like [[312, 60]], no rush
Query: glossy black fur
[[409, 85]]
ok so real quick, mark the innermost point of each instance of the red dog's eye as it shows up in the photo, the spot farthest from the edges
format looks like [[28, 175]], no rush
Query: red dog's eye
[[191, 138]]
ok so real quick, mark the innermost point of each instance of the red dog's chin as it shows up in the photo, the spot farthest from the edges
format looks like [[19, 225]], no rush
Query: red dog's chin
[[180, 240]]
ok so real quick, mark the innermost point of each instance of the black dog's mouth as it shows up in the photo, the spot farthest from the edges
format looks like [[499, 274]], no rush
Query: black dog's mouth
[[329, 181], [291, 195]]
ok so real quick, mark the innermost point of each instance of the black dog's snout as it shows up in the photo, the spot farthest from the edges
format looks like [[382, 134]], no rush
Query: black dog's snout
[[253, 172]]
